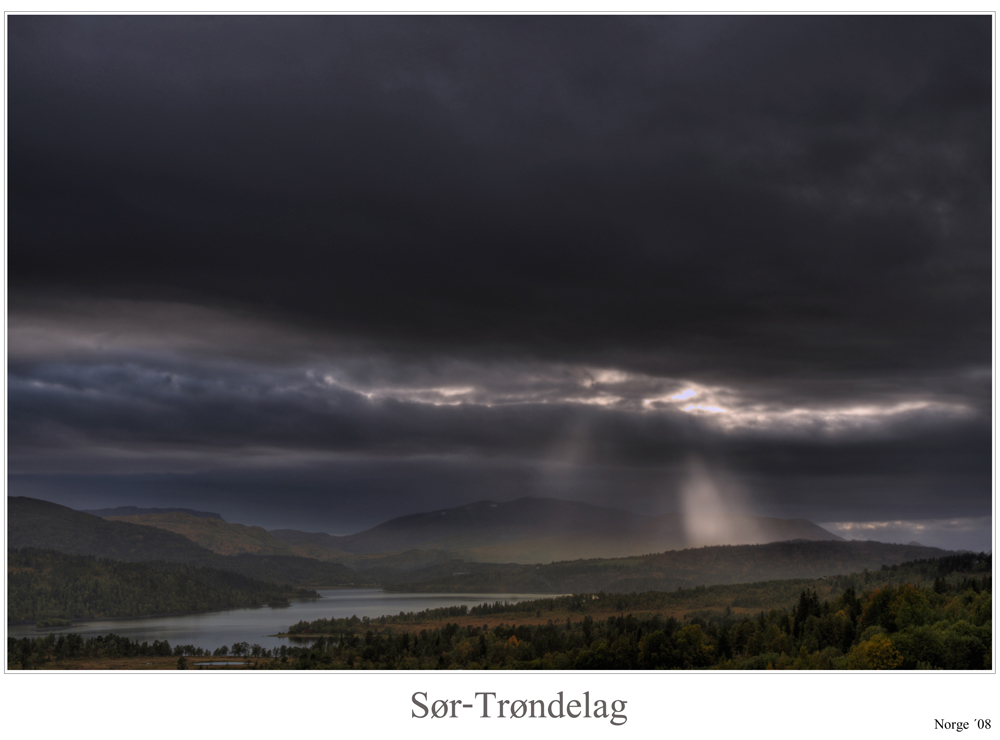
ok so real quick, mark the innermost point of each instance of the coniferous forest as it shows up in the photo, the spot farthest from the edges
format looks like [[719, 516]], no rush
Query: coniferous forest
[[46, 585], [944, 624], [925, 615]]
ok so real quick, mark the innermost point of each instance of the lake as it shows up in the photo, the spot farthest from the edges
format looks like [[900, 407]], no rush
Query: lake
[[215, 629]]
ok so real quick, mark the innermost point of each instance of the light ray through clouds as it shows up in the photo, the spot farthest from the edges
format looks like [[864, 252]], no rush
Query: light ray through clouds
[[138, 337], [551, 257], [708, 504], [625, 392]]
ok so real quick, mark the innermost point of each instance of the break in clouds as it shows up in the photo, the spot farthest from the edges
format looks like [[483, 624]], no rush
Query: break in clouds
[[371, 266]]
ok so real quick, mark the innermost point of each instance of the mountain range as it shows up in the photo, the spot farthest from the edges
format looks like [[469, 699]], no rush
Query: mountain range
[[666, 571], [540, 530], [42, 524], [528, 545]]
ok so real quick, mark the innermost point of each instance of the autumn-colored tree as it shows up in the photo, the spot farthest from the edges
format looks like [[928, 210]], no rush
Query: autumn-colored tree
[[875, 654]]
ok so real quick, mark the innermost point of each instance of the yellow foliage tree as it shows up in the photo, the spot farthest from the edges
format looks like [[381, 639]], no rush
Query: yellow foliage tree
[[875, 654]]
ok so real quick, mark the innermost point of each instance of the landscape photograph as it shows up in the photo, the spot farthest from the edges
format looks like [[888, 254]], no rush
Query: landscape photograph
[[572, 345]]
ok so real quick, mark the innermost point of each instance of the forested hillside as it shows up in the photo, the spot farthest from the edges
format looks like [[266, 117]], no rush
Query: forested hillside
[[666, 571], [217, 535], [945, 623], [41, 524], [927, 614], [45, 585]]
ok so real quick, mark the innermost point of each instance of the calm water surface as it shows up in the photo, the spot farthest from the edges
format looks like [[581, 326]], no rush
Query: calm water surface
[[215, 629]]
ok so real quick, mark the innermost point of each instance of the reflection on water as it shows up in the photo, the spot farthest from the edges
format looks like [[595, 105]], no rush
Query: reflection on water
[[215, 629]]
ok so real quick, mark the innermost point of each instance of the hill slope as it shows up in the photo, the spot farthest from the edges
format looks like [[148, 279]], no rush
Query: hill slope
[[45, 584], [216, 535], [681, 568], [41, 524], [533, 530]]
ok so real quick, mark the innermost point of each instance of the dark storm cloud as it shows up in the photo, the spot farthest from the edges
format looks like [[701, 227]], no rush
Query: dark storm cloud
[[607, 243], [669, 193], [178, 410]]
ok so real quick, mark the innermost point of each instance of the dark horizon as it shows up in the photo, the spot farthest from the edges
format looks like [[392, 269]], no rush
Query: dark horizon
[[890, 532], [319, 272], [889, 535]]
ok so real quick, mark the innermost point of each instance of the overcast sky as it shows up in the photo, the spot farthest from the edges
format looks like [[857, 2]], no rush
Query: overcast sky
[[321, 271]]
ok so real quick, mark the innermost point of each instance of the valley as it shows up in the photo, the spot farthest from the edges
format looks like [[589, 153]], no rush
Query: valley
[[259, 587]]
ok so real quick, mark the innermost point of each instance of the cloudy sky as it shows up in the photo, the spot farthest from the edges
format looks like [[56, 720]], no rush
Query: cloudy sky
[[321, 271]]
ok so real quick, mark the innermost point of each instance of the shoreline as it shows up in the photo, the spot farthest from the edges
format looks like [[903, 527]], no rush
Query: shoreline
[[107, 617]]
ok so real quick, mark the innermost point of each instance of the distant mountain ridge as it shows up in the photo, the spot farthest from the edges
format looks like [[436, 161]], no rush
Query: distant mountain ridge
[[217, 535], [667, 571], [42, 524], [139, 511], [538, 533], [534, 530], [525, 531]]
